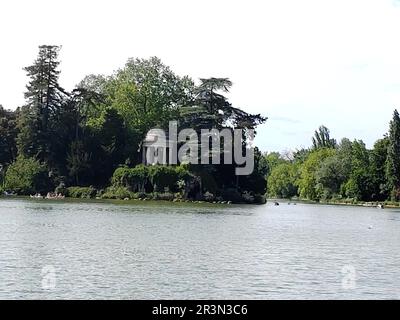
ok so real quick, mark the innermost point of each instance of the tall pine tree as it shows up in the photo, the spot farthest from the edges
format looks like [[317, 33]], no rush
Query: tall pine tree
[[44, 100], [393, 158]]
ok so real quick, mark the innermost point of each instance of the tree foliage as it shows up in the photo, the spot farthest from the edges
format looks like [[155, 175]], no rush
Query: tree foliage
[[322, 138], [26, 176], [393, 157]]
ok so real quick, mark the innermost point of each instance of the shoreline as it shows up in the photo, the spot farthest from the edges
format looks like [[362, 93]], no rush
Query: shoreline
[[124, 201], [218, 203], [370, 204]]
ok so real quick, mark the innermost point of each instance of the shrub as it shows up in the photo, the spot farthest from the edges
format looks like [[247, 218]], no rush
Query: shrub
[[81, 192], [26, 176], [166, 196], [138, 178], [61, 189], [121, 177], [131, 178], [114, 192], [162, 177]]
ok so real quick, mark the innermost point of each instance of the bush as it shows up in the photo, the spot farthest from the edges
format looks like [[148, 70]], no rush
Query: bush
[[134, 179], [121, 177], [163, 177], [114, 192], [81, 192], [26, 176], [166, 196], [61, 189]]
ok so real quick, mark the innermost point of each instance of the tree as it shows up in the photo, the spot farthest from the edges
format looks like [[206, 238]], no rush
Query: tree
[[37, 122], [393, 157], [211, 109], [378, 169], [331, 174], [147, 94], [78, 162], [322, 139], [359, 186], [26, 176], [308, 176], [335, 171], [282, 181], [274, 159], [8, 134]]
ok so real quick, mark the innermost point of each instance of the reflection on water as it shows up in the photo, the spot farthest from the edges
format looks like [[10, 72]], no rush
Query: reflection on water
[[160, 250]]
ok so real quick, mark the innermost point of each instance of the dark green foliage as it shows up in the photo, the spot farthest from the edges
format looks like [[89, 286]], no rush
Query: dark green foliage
[[393, 157], [210, 109], [133, 178], [93, 134], [8, 134], [38, 122], [282, 181], [163, 178], [232, 194], [359, 184], [346, 171], [117, 192], [254, 182], [322, 139], [81, 192], [331, 174], [27, 176], [378, 169]]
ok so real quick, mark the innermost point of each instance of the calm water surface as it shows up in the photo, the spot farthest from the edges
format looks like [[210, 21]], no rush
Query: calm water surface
[[101, 250]]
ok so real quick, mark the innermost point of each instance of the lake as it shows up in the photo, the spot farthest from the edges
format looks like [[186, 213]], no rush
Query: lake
[[159, 250]]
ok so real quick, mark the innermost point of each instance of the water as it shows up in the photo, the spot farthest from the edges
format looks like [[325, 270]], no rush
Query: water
[[101, 250]]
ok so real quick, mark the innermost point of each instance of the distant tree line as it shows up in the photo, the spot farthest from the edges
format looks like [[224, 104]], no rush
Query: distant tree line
[[60, 139], [340, 171]]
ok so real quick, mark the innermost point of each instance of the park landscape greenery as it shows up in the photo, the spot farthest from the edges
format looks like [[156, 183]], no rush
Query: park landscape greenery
[[86, 143], [345, 172]]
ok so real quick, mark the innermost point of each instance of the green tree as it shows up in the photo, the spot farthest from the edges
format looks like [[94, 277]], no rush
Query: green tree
[[333, 171], [78, 162], [211, 109], [147, 94], [8, 134], [37, 122], [26, 176], [378, 169], [393, 157], [308, 176], [359, 186], [282, 181], [274, 159], [322, 139]]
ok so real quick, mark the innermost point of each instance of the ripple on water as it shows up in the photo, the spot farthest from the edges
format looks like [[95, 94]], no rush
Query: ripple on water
[[103, 250]]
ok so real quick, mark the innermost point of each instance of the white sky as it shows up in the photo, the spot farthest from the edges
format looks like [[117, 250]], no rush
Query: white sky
[[301, 63]]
